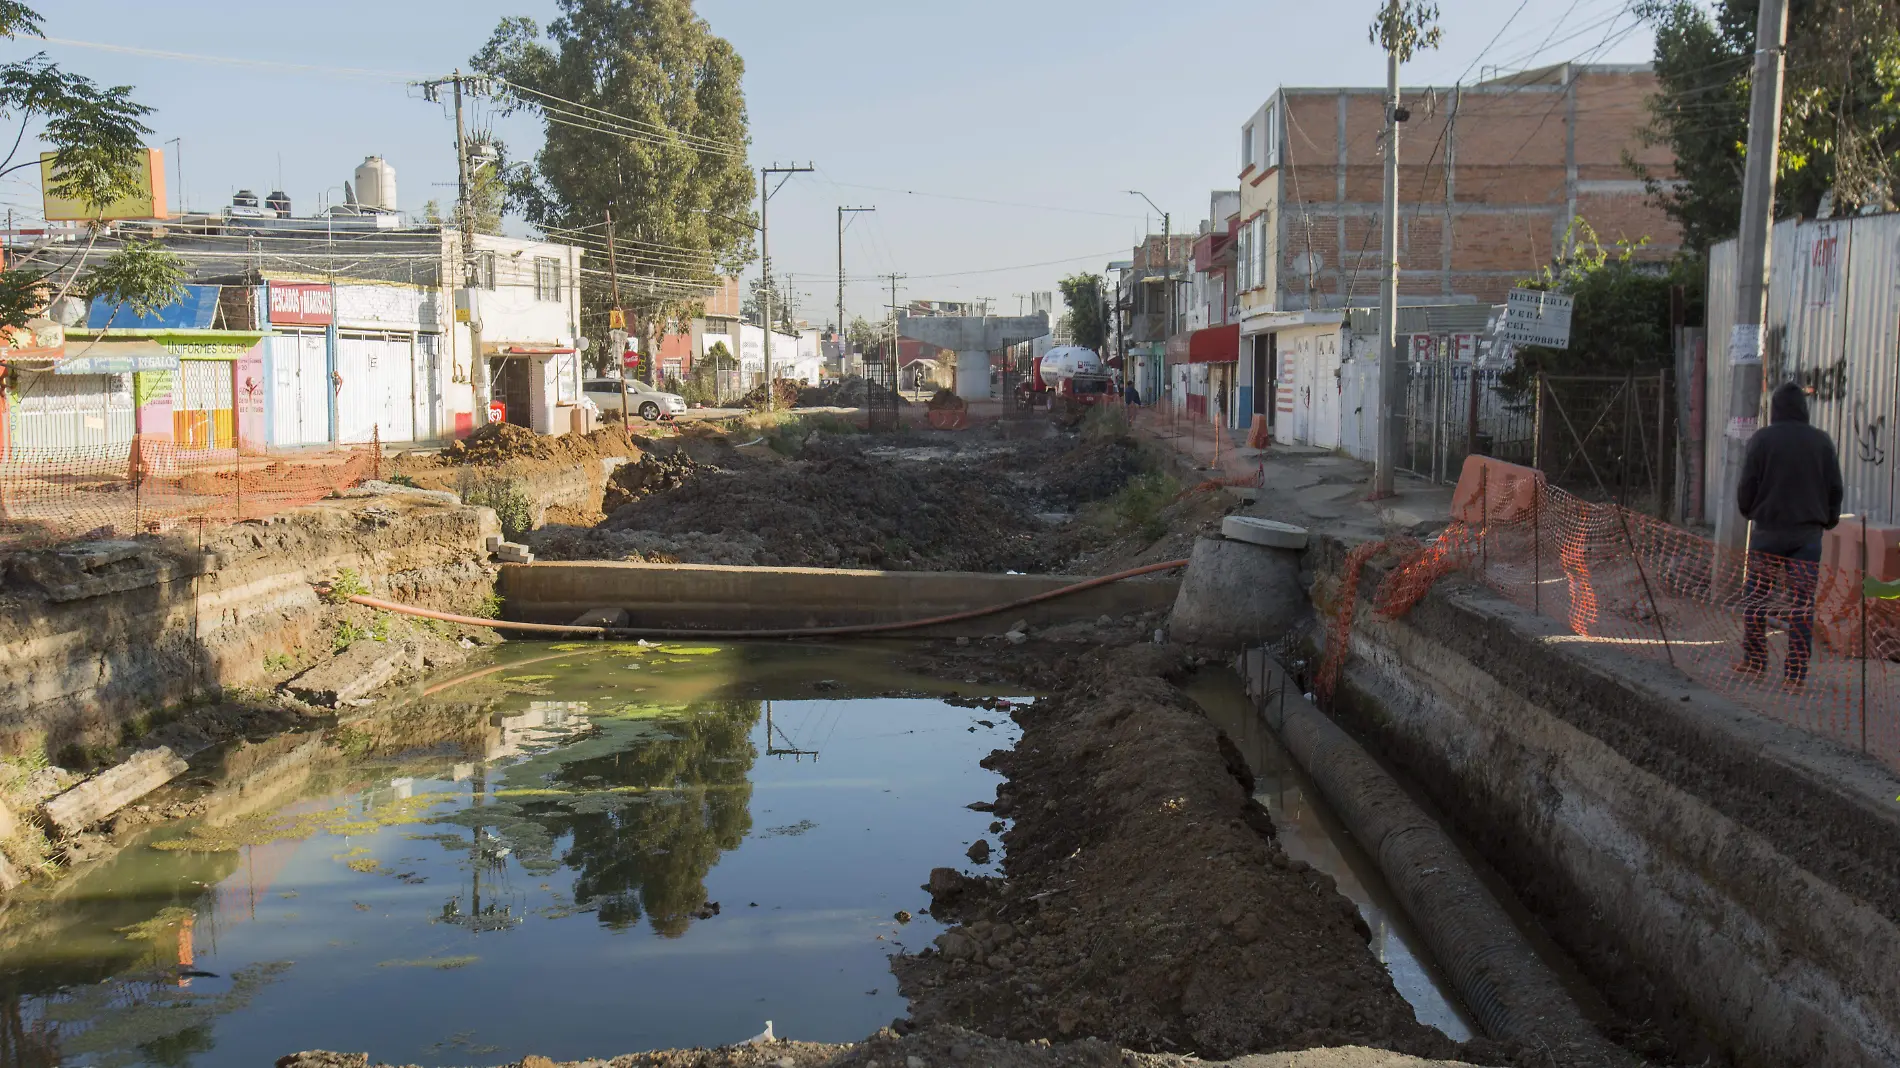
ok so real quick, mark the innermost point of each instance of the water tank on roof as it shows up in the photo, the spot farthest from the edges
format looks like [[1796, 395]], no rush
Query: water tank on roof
[[244, 198], [376, 184], [279, 202]]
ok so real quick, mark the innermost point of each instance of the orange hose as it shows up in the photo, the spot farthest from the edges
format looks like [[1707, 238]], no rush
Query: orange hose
[[802, 632]]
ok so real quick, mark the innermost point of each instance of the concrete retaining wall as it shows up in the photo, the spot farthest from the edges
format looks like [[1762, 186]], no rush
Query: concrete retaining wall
[[1731, 881], [92, 638], [706, 596]]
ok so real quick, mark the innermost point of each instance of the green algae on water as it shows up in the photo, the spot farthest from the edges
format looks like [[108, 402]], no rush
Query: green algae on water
[[341, 821]]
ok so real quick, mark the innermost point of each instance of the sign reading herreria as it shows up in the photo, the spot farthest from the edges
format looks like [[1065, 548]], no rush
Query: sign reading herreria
[[1534, 317]]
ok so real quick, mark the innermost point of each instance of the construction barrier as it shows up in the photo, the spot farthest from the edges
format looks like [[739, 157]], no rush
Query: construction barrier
[[1622, 579], [147, 487]]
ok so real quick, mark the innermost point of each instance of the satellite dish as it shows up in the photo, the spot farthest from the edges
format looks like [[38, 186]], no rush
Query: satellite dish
[[584, 344]]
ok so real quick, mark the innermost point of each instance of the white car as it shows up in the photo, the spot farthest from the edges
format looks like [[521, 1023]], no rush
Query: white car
[[648, 403]]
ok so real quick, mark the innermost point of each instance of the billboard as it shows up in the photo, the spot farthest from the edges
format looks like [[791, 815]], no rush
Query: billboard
[[148, 202]]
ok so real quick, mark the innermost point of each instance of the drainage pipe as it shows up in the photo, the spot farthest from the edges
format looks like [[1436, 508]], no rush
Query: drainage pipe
[[853, 630], [1510, 991]]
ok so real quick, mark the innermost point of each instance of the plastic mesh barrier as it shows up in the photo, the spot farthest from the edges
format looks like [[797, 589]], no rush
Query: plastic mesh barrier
[[1618, 578], [53, 495]]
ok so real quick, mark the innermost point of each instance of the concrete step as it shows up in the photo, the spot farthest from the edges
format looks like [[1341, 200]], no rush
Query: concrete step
[[111, 790]]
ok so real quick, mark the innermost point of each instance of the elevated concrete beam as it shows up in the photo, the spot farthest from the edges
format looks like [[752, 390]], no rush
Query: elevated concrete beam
[[713, 597], [973, 338]]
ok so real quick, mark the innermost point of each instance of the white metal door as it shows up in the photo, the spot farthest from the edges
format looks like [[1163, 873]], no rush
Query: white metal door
[[300, 390], [428, 387], [1302, 384], [1326, 388], [396, 370], [358, 392]]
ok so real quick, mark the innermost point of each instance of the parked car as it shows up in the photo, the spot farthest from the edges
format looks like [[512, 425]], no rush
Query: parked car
[[648, 403]]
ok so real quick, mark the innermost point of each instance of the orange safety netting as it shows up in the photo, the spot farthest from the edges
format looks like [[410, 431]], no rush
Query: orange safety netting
[[53, 495], [1728, 619]]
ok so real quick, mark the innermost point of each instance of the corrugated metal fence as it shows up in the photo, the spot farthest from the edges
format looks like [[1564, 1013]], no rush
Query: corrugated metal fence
[[1833, 317]]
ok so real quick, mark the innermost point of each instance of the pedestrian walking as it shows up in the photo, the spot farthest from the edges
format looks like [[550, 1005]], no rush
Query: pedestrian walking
[[1790, 492]]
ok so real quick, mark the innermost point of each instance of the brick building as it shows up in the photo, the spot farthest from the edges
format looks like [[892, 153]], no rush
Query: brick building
[[1490, 178]]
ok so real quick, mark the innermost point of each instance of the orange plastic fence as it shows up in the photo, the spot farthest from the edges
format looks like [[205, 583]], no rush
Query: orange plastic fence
[[54, 495], [1639, 585]]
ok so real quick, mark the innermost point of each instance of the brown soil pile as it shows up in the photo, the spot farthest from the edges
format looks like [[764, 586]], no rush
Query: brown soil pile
[[1089, 471], [945, 401], [1146, 901], [784, 396], [846, 510], [656, 471], [854, 392], [499, 443]]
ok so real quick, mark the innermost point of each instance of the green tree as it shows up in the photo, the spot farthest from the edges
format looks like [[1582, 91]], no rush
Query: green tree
[[487, 196], [1840, 126], [645, 117], [1083, 294], [864, 335], [97, 138], [1404, 27], [141, 275]]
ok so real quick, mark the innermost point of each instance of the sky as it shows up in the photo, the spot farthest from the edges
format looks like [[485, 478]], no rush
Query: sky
[[998, 139]]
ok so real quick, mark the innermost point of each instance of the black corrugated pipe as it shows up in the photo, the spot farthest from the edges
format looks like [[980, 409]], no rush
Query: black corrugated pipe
[[1510, 991]]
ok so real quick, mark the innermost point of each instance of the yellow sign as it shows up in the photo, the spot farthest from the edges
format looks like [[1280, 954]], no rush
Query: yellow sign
[[616, 319], [148, 202]]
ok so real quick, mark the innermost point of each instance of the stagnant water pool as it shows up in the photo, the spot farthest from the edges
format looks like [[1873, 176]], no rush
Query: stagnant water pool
[[579, 850]]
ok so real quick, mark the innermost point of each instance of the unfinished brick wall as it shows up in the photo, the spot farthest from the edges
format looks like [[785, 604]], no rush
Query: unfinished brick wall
[[1490, 178]]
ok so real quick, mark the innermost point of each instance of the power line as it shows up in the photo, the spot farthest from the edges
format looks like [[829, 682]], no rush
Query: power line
[[234, 61]]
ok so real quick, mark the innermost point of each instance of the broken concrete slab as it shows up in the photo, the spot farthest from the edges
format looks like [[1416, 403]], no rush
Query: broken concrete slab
[[1237, 594], [111, 790], [1265, 532], [358, 672]]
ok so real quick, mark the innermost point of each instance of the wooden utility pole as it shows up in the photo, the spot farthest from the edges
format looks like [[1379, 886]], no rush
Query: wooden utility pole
[[1391, 374], [1752, 262]]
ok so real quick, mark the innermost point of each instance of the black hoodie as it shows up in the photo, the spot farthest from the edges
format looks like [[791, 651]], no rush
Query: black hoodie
[[1791, 477]]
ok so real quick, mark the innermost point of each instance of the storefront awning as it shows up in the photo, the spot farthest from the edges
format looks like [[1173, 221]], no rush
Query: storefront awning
[[1216, 344], [115, 358]]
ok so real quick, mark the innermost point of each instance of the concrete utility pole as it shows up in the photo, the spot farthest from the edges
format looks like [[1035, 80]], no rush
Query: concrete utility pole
[[1391, 374], [1167, 254], [765, 259], [896, 353], [477, 363], [1752, 261], [842, 212], [618, 332]]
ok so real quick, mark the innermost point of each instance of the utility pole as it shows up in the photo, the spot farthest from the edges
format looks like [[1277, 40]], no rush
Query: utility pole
[[1391, 375], [617, 325], [1752, 262], [896, 353], [765, 258], [465, 223], [1167, 283], [842, 212]]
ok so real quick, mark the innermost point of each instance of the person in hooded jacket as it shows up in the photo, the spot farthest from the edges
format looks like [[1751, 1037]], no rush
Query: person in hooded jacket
[[1791, 492]]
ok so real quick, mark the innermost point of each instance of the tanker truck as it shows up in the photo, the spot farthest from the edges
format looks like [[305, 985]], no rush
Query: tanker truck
[[1068, 381]]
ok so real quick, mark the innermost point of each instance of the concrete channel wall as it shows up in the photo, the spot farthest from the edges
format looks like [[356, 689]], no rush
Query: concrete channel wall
[[1731, 880], [97, 633], [697, 596]]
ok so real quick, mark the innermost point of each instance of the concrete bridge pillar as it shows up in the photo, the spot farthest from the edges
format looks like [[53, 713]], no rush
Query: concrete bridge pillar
[[973, 375], [973, 338]]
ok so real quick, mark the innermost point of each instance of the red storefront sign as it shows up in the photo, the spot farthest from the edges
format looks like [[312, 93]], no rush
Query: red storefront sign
[[300, 303]]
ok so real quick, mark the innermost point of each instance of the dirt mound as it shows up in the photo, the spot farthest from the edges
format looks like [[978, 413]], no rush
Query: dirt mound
[[854, 392], [945, 401], [1147, 903], [847, 510], [500, 443], [656, 471], [784, 396], [1090, 471]]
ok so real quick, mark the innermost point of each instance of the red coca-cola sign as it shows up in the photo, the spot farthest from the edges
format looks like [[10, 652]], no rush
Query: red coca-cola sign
[[301, 304]]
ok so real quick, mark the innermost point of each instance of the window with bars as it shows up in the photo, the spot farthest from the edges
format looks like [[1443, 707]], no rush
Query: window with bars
[[485, 271], [547, 278]]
